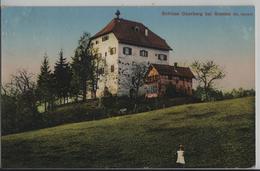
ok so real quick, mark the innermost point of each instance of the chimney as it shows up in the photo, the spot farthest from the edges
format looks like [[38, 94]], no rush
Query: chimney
[[146, 32], [175, 64]]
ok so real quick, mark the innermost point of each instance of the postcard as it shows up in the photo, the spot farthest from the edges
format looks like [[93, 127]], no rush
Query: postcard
[[128, 87]]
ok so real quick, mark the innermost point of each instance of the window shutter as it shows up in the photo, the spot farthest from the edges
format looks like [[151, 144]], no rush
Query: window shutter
[[112, 68]]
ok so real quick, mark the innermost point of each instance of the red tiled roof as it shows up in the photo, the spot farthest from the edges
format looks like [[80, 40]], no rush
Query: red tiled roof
[[173, 71], [124, 31]]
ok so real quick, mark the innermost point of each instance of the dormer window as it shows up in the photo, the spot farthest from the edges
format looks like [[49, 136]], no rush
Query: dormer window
[[143, 53], [162, 57], [127, 51], [104, 38]]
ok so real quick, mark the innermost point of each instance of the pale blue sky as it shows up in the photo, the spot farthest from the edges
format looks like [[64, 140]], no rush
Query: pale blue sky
[[29, 32]]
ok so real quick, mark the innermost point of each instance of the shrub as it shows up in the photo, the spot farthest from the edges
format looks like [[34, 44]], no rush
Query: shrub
[[170, 90]]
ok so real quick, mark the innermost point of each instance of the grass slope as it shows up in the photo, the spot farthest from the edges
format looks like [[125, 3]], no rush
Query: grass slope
[[216, 134]]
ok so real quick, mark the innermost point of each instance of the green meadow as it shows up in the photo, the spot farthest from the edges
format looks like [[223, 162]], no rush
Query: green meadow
[[215, 134]]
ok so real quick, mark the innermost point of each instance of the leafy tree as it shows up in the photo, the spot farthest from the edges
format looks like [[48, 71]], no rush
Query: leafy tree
[[81, 66], [77, 81], [9, 114], [62, 76], [171, 90], [97, 63], [134, 78], [240, 92], [213, 94], [45, 84], [206, 74], [86, 66], [19, 103]]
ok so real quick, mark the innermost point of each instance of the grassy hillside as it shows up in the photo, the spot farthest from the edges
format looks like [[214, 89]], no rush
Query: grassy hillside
[[217, 134]]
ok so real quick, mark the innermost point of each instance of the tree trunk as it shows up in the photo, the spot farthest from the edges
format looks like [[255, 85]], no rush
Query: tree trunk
[[94, 95]]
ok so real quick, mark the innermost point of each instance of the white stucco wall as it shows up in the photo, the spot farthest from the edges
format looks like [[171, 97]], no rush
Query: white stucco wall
[[112, 80], [103, 47], [127, 60]]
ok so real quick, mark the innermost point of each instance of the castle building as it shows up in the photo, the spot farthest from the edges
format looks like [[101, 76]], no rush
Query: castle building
[[122, 43]]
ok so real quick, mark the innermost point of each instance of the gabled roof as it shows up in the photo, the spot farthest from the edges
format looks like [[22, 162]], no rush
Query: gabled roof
[[170, 70], [125, 32]]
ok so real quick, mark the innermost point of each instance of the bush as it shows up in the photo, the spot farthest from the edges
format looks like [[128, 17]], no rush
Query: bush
[[171, 90], [17, 116], [215, 94]]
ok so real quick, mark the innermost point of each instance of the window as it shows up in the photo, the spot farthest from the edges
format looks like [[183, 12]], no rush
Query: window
[[143, 53], [97, 41], [137, 29], [112, 51], [152, 89], [112, 68], [105, 53], [91, 44], [162, 57], [104, 38], [101, 71], [127, 51]]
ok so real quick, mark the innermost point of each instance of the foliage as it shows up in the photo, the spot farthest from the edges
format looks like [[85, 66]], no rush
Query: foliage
[[62, 77], [97, 63], [45, 85], [171, 91], [134, 78], [214, 94], [240, 92], [81, 67], [206, 73], [19, 103]]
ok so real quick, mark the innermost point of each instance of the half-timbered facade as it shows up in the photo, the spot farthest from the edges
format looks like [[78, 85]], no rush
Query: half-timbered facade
[[159, 76]]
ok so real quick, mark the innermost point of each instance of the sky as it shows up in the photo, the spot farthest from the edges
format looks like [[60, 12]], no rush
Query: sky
[[30, 32]]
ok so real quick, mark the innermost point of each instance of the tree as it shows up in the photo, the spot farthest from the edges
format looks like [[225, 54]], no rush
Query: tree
[[134, 78], [171, 90], [206, 74], [97, 68], [19, 103], [45, 84], [62, 77], [76, 81], [81, 67]]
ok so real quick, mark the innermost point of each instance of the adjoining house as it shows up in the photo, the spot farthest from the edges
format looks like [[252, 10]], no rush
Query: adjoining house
[[121, 43], [161, 76]]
